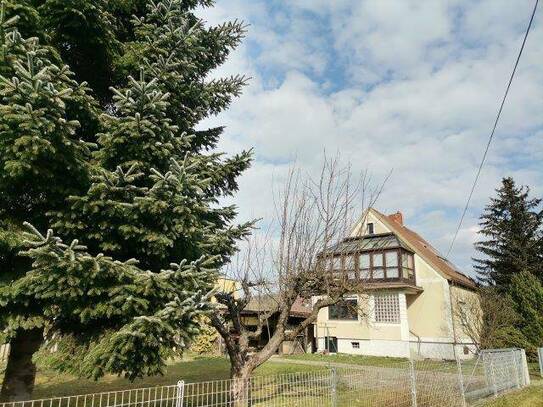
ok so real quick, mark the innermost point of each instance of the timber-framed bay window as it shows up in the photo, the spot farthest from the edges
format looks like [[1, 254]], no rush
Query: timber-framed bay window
[[380, 265], [376, 257]]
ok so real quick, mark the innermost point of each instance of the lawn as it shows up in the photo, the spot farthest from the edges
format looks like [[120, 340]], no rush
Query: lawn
[[531, 396], [349, 359], [195, 369], [376, 361]]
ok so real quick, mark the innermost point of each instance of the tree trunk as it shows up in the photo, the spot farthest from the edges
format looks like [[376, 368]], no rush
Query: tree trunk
[[240, 392], [20, 373]]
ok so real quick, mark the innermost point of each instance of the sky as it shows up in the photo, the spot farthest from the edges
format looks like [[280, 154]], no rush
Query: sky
[[411, 87]]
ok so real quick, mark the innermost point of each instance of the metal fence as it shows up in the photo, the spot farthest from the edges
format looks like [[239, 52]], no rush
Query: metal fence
[[398, 383], [495, 371]]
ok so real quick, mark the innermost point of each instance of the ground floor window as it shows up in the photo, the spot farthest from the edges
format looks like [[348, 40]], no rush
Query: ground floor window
[[355, 345], [345, 310], [387, 308]]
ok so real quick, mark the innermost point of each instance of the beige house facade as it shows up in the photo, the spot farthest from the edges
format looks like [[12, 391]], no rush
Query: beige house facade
[[405, 306]]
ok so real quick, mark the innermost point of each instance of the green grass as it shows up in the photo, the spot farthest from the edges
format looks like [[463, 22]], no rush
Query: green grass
[[531, 396], [50, 383], [379, 361], [349, 359]]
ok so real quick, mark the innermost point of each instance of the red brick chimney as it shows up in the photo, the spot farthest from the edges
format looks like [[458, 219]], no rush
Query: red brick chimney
[[397, 217]]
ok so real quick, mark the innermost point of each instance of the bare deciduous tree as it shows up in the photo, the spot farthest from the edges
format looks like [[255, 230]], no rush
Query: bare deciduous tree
[[290, 263], [487, 317]]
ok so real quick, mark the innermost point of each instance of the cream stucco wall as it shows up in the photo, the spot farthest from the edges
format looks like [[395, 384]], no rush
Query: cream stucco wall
[[429, 313], [466, 302], [361, 226], [228, 285]]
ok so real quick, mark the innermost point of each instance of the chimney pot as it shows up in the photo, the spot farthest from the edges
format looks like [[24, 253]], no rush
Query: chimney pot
[[397, 217]]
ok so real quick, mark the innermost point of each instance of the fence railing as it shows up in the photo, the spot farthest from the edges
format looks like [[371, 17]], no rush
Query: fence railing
[[402, 383]]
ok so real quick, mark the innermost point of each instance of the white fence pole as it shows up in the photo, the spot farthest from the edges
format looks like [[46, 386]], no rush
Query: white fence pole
[[516, 367], [525, 367], [334, 387], [461, 381], [413, 380], [540, 354], [180, 393], [493, 376]]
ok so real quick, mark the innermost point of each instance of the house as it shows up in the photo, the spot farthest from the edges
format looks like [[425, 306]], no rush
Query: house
[[408, 291], [265, 304]]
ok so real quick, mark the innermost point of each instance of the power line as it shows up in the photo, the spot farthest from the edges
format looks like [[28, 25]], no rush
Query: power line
[[493, 129]]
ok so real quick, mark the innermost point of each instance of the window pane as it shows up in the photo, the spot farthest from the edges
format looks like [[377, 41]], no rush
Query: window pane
[[336, 263], [378, 272], [391, 259], [344, 310], [349, 262], [392, 272], [410, 261], [387, 308], [404, 259], [378, 260], [364, 261]]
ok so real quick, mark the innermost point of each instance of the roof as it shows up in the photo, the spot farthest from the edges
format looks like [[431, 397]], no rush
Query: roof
[[368, 242], [269, 302], [425, 250]]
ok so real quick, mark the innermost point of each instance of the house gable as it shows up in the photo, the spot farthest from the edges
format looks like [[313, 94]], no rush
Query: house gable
[[419, 246]]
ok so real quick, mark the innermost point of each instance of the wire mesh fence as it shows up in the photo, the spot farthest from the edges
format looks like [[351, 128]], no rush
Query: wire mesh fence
[[495, 371], [402, 383]]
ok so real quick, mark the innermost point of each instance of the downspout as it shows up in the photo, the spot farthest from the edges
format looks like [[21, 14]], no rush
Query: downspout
[[419, 342]]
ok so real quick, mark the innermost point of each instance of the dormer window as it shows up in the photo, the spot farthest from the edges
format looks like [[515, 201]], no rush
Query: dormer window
[[370, 228]]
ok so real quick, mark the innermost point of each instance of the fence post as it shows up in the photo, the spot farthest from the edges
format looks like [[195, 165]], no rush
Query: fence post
[[493, 376], [334, 387], [540, 354], [413, 381], [516, 368], [461, 381], [180, 393], [525, 371]]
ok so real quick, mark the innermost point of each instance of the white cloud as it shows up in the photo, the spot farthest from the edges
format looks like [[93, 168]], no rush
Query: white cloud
[[390, 85]]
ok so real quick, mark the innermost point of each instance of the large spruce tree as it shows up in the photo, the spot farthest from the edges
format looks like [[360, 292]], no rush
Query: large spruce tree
[[141, 217], [526, 291], [512, 236], [42, 161]]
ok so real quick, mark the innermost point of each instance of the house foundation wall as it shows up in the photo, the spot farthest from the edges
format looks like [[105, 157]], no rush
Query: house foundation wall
[[402, 349], [371, 347]]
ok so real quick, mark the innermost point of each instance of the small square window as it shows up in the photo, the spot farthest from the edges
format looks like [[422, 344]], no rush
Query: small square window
[[355, 345]]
